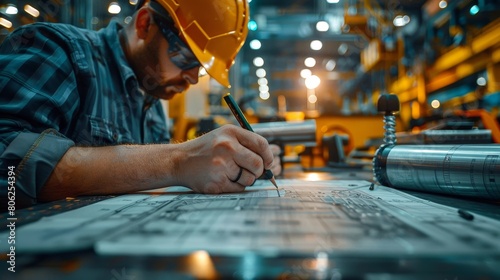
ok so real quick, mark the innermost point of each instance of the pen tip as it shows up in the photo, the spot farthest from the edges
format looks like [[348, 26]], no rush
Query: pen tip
[[276, 185], [273, 181]]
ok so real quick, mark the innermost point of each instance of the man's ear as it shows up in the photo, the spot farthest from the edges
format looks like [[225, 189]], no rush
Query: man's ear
[[143, 23]]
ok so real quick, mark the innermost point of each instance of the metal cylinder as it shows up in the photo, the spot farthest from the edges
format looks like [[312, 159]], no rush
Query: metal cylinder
[[464, 170], [298, 132]]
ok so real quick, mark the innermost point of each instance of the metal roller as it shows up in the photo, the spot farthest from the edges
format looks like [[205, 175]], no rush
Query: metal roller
[[298, 132], [465, 170]]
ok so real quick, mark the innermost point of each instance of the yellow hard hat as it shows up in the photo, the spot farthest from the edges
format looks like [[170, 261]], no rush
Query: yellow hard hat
[[215, 30]]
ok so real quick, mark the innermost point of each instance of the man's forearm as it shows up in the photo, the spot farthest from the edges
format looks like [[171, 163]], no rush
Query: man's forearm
[[205, 164], [111, 170]]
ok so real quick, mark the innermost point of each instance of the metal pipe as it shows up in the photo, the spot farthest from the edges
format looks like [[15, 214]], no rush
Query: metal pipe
[[464, 170]]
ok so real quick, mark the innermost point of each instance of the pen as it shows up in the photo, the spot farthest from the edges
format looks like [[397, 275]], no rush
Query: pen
[[238, 114]]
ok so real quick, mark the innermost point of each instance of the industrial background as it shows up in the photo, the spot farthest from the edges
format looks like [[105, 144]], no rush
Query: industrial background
[[330, 60]]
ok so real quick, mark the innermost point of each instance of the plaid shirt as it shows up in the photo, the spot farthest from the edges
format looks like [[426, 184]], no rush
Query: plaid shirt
[[62, 86]]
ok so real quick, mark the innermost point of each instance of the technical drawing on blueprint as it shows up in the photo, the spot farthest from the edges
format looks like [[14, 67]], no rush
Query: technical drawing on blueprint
[[335, 217]]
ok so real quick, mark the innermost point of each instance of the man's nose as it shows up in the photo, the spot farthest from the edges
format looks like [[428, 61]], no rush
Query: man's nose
[[191, 75]]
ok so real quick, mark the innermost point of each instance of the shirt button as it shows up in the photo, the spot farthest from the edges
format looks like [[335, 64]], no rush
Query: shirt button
[[115, 136]]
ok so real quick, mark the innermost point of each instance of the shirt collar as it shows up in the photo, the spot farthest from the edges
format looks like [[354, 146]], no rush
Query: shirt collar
[[110, 33]]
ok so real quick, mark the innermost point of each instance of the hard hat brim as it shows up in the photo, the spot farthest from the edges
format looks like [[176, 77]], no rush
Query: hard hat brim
[[215, 67]]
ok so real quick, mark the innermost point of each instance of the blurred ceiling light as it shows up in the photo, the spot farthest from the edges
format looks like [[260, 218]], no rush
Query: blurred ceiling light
[[258, 61], [252, 25], [264, 95], [406, 19], [261, 73], [481, 81], [255, 44], [316, 45], [312, 82], [262, 81], [127, 19], [443, 4], [322, 26], [435, 104], [310, 62], [343, 48], [332, 1], [31, 11], [474, 10], [5, 23], [401, 20], [114, 8], [11, 9], [133, 2], [330, 65], [264, 88], [312, 98], [304, 73]]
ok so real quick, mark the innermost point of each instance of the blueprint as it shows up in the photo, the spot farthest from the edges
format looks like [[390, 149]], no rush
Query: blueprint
[[335, 217]]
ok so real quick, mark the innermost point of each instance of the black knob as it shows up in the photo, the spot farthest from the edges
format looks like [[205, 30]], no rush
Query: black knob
[[388, 103]]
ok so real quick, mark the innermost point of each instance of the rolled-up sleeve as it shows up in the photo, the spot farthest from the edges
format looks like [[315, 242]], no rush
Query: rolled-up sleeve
[[34, 156], [37, 104]]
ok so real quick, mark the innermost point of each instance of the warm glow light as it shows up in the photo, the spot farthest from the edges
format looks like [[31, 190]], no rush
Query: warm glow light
[[435, 104], [312, 82], [31, 11], [312, 98], [114, 8], [200, 265], [316, 45], [304, 73], [133, 2], [312, 176], [5, 23], [258, 61], [322, 26], [310, 62], [255, 44]]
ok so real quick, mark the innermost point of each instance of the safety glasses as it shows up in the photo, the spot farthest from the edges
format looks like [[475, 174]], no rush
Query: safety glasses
[[180, 54]]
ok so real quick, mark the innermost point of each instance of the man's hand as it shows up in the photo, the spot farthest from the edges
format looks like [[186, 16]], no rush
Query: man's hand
[[213, 161]]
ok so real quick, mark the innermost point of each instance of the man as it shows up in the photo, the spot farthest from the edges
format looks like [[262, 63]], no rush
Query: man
[[76, 106]]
